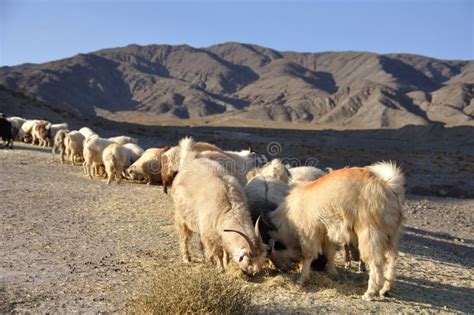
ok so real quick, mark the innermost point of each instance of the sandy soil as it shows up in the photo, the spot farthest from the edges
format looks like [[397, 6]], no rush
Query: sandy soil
[[70, 244]]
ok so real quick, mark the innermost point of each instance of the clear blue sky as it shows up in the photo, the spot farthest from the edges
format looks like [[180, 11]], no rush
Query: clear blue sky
[[39, 30]]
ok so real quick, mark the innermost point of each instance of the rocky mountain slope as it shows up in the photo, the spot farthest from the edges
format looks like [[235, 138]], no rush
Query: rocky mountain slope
[[356, 90]]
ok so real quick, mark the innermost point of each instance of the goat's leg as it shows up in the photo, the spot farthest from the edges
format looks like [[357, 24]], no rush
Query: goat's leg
[[330, 253], [389, 273], [305, 269], [184, 236], [372, 252], [347, 256]]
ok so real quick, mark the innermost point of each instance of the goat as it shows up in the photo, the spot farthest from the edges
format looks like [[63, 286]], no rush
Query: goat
[[94, 146], [115, 159], [148, 166], [73, 145], [59, 144], [347, 204], [211, 203], [54, 128], [41, 132]]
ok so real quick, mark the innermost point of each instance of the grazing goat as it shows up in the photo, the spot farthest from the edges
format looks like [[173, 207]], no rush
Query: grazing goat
[[94, 146], [265, 194], [170, 161], [363, 204], [26, 129], [54, 128], [212, 204], [148, 166], [115, 159], [123, 140], [73, 145], [41, 132], [59, 144]]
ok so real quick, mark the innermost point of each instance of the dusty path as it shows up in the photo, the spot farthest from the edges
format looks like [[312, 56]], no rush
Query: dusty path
[[71, 244]]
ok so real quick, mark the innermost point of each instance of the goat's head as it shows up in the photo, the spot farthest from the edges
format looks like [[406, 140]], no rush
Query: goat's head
[[131, 172], [253, 256], [168, 167], [283, 257], [282, 253]]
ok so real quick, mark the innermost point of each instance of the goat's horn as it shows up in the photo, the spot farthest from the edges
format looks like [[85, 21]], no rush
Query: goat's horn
[[243, 235], [257, 229]]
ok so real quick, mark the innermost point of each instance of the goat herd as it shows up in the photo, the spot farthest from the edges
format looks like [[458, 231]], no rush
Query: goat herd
[[247, 214]]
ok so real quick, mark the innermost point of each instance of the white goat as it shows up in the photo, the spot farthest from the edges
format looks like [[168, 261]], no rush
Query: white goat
[[41, 132], [148, 166], [363, 204], [59, 144], [212, 204], [73, 144], [93, 148], [115, 159]]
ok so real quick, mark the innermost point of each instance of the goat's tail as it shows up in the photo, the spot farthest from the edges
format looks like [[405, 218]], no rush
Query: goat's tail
[[392, 175], [186, 153]]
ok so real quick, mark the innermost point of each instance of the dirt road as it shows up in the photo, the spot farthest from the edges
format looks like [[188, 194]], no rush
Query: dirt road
[[70, 244]]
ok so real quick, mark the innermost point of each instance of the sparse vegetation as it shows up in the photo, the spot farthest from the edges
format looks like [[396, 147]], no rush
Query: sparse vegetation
[[183, 290]]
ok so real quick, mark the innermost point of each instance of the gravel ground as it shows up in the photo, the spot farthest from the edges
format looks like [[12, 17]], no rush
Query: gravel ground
[[70, 244]]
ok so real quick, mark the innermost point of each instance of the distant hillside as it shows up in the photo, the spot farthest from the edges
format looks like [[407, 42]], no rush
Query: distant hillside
[[347, 89]]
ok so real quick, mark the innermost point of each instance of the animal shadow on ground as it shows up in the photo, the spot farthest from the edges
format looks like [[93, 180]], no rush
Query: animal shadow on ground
[[437, 295], [437, 246], [29, 147]]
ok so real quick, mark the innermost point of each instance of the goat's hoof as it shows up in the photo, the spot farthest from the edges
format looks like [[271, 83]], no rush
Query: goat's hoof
[[368, 297], [347, 265]]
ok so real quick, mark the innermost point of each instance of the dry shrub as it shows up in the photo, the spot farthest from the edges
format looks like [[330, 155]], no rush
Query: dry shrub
[[186, 289]]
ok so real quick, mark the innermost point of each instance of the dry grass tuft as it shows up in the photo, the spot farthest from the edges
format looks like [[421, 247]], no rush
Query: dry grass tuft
[[185, 289]]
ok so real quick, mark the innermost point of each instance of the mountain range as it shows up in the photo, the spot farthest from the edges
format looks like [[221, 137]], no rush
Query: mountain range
[[354, 90]]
